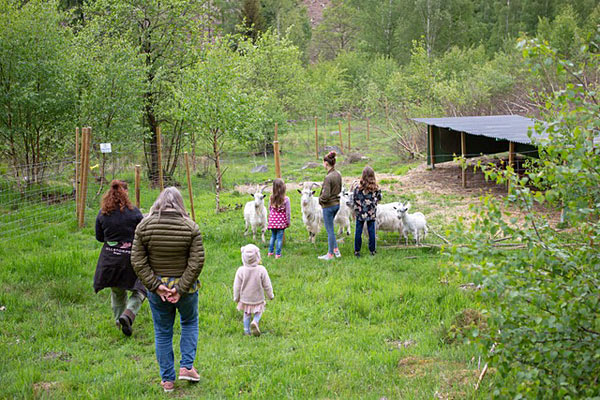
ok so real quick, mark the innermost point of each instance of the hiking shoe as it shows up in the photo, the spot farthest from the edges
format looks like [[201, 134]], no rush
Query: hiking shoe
[[168, 386], [246, 333], [126, 320], [337, 253], [373, 252], [189, 374], [357, 254], [327, 256], [269, 254], [254, 328], [278, 256]]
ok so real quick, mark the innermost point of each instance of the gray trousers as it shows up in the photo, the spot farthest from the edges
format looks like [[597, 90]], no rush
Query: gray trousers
[[120, 302]]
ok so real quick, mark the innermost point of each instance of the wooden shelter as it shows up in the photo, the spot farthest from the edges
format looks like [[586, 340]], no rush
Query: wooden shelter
[[476, 136]]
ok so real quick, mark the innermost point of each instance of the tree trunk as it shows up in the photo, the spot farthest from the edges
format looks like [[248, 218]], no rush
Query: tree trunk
[[219, 182]]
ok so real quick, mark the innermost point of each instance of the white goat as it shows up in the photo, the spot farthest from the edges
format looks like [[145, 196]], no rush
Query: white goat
[[386, 220], [344, 215], [413, 223], [312, 213], [255, 214]]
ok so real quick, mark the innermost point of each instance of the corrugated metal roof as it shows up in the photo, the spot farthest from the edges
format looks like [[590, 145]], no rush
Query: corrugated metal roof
[[513, 128]]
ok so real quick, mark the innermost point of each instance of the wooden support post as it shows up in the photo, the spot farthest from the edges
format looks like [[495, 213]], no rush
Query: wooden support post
[[77, 169], [340, 133], [511, 160], [368, 129], [349, 141], [138, 169], [316, 138], [463, 150], [276, 151], [431, 149], [85, 166], [159, 153], [189, 182]]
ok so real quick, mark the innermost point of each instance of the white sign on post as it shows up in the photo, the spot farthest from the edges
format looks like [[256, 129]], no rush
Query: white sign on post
[[105, 148]]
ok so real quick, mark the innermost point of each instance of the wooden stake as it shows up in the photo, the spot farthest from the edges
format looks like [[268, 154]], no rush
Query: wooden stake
[[138, 169], [463, 150], [85, 166], [431, 150], [316, 139], [159, 153], [276, 151], [341, 141], [77, 169], [189, 181], [349, 141], [368, 129]]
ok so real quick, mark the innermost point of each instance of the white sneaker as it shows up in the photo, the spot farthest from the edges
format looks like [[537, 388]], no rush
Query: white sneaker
[[327, 256], [337, 253]]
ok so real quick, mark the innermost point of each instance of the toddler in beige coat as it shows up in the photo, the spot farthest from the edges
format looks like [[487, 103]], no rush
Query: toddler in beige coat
[[249, 287]]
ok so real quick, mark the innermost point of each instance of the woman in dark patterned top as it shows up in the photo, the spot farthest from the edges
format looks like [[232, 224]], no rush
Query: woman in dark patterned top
[[365, 199]]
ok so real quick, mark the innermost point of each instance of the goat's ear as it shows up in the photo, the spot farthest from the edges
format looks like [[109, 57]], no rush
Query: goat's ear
[[299, 191], [251, 195], [395, 208], [313, 192]]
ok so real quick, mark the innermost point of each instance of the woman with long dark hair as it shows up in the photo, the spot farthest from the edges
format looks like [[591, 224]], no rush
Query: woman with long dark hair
[[115, 227], [329, 199], [168, 256], [365, 199]]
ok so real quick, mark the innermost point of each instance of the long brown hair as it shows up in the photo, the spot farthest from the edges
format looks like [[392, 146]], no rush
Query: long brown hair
[[115, 198], [278, 197], [368, 183]]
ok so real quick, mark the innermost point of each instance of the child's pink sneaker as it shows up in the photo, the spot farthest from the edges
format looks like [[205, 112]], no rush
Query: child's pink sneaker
[[269, 254], [278, 256]]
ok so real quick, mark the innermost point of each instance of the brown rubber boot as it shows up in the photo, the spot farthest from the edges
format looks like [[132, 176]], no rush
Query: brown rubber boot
[[126, 320]]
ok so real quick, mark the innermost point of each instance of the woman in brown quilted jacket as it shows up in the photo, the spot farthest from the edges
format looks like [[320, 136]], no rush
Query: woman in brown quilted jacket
[[168, 257]]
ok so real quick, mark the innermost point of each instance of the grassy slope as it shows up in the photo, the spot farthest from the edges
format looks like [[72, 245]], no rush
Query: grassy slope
[[329, 332]]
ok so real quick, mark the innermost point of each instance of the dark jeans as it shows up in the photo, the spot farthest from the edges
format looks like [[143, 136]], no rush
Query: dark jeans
[[163, 316], [358, 235], [328, 217], [276, 241]]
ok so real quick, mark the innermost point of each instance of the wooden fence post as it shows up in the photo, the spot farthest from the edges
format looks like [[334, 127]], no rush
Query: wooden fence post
[[463, 150], [159, 154], [189, 182], [85, 166], [349, 141], [77, 169], [340, 133], [431, 150], [276, 153], [316, 139], [138, 169]]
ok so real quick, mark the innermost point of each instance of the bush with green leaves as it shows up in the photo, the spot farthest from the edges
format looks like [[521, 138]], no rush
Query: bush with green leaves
[[541, 292]]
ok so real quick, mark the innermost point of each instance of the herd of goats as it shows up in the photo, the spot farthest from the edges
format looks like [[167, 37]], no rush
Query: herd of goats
[[391, 217]]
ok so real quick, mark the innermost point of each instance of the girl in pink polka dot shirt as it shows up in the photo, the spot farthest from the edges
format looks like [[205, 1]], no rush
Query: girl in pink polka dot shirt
[[279, 216]]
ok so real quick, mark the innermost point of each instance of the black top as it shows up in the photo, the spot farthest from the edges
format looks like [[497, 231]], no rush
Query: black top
[[118, 226]]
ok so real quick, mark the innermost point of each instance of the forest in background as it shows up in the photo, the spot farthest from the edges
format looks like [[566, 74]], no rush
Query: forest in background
[[127, 67]]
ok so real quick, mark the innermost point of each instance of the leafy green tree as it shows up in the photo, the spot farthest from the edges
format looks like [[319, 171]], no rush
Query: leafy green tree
[[542, 298], [337, 32], [252, 18], [37, 97], [217, 104], [167, 34], [289, 18]]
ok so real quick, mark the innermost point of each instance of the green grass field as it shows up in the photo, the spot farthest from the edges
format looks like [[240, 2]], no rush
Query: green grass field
[[349, 328]]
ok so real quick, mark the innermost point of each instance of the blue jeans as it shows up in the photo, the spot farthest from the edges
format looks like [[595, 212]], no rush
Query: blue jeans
[[163, 315], [328, 217], [358, 235], [276, 240]]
